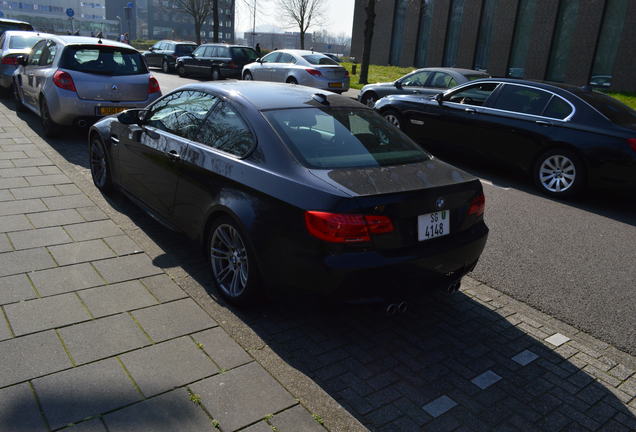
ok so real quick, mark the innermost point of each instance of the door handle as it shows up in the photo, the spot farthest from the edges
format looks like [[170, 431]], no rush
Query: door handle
[[470, 110], [173, 155], [543, 123]]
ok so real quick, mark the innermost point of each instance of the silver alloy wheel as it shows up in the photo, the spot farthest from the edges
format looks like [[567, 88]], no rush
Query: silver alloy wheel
[[164, 66], [229, 260], [248, 76], [557, 173], [215, 75], [370, 101], [98, 165], [392, 118]]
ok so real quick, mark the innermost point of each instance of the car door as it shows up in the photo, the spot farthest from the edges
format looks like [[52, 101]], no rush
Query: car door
[[26, 77], [207, 61], [280, 69], [414, 83], [263, 71], [150, 156], [43, 71], [191, 64], [152, 54]]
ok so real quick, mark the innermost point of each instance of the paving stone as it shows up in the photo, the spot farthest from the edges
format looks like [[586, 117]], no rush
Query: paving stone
[[19, 411], [69, 189], [39, 237], [46, 313], [621, 372], [222, 348], [31, 356], [84, 391], [94, 425], [6, 163], [258, 392], [32, 162], [102, 338], [557, 339], [629, 387], [92, 213], [122, 245], [164, 288], [74, 253], [66, 279], [126, 268], [50, 170], [25, 261], [439, 406], [15, 288], [261, 426], [169, 412], [5, 333], [67, 202], [169, 320], [5, 195], [35, 192], [19, 172], [12, 155], [43, 180], [14, 223], [168, 365], [5, 244], [55, 218], [21, 206], [93, 230], [14, 182], [296, 419], [121, 297]]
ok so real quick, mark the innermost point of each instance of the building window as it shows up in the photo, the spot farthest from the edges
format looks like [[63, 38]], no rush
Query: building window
[[559, 53], [485, 35], [453, 33], [397, 36], [426, 17], [521, 40], [608, 42]]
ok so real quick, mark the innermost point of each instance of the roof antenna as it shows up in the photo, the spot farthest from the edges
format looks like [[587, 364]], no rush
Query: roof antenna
[[321, 98]]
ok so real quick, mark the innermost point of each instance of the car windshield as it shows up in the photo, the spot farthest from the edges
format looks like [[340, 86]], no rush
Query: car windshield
[[184, 49], [103, 60], [319, 59], [343, 138], [244, 54], [611, 108], [21, 42]]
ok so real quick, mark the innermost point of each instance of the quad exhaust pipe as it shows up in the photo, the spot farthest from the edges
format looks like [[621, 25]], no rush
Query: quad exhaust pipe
[[393, 309]]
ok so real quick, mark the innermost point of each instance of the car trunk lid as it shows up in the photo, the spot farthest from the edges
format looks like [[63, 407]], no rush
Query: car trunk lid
[[331, 72], [110, 88]]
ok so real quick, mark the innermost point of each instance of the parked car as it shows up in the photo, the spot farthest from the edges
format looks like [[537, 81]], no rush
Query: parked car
[[426, 81], [14, 43], [70, 80], [302, 67], [565, 137], [289, 187], [164, 54], [216, 61], [10, 24]]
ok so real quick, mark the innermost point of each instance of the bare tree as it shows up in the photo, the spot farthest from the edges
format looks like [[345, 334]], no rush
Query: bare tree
[[200, 11], [302, 14], [368, 38]]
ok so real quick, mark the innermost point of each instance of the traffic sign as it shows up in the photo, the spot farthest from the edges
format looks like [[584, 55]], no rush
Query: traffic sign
[[130, 4], [70, 12], [1, 14]]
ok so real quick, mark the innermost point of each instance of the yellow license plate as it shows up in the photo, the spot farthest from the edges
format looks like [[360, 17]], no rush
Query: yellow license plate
[[106, 110], [335, 85]]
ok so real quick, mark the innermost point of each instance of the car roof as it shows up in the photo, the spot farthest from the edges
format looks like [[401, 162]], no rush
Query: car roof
[[85, 40], [8, 20], [27, 33], [270, 95], [452, 69], [300, 52], [178, 42], [558, 88], [225, 44]]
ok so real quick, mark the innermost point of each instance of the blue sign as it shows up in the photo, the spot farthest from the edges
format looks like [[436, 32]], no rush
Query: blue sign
[[70, 12], [1, 14], [131, 4]]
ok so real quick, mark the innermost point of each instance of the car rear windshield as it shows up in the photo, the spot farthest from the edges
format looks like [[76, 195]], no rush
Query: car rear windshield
[[476, 77], [103, 60], [4, 26], [243, 54], [343, 138], [21, 42], [611, 108], [184, 49], [319, 59]]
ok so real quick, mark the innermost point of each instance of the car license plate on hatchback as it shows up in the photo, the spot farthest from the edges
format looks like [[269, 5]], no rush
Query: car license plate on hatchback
[[433, 225], [108, 110], [335, 85]]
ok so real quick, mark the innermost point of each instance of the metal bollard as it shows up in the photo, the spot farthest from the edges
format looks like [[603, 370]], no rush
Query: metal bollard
[[354, 69]]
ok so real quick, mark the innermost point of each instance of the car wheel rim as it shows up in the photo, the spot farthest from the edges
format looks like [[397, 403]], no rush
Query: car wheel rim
[[391, 118], [229, 260], [557, 173], [164, 66], [370, 101], [248, 77], [98, 164]]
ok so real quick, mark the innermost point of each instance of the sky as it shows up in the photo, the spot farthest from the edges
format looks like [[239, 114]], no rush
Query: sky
[[338, 17]]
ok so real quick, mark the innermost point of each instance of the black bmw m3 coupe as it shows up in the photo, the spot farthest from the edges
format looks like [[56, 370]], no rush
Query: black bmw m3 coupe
[[287, 187]]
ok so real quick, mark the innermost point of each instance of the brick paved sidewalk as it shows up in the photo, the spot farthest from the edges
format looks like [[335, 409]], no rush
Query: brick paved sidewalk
[[93, 333]]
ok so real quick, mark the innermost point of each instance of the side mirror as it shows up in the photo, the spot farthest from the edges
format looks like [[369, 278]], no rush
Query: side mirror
[[439, 97], [260, 60], [151, 49], [398, 84], [22, 60], [133, 116]]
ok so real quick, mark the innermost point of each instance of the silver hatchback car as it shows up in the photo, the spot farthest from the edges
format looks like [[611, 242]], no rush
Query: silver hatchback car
[[14, 43], [303, 67], [73, 80]]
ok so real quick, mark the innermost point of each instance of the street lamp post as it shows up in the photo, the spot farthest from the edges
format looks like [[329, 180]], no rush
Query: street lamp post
[[121, 29]]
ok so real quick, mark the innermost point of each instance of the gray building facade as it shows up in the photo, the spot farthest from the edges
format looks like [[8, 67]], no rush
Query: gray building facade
[[572, 41]]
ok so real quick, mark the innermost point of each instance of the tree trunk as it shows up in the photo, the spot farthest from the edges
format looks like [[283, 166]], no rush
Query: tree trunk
[[302, 39], [215, 17], [368, 38], [197, 31]]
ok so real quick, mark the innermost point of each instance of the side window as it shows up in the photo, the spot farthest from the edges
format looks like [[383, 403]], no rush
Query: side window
[[225, 130], [285, 58], [525, 100], [157, 46], [271, 57], [210, 51], [181, 113], [418, 79], [48, 54], [170, 47], [223, 52], [2, 39], [443, 80], [198, 52], [36, 53], [472, 95], [557, 108]]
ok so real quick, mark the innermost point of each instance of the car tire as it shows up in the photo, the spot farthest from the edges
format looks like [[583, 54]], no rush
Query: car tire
[[292, 80], [232, 262], [49, 126], [19, 106], [559, 173], [181, 70], [165, 67], [393, 117], [369, 99], [216, 74], [100, 168], [247, 76]]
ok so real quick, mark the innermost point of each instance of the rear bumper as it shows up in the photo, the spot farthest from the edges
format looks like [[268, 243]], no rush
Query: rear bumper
[[6, 75], [324, 83]]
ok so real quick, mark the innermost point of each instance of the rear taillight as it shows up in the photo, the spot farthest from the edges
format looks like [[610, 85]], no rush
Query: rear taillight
[[313, 72], [9, 60], [64, 80], [346, 228], [153, 85], [477, 205], [632, 143]]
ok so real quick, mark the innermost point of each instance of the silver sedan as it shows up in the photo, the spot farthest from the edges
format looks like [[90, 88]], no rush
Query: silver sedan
[[302, 67]]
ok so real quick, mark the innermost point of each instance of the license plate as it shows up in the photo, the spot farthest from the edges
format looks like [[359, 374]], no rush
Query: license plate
[[433, 225], [108, 110], [335, 85]]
